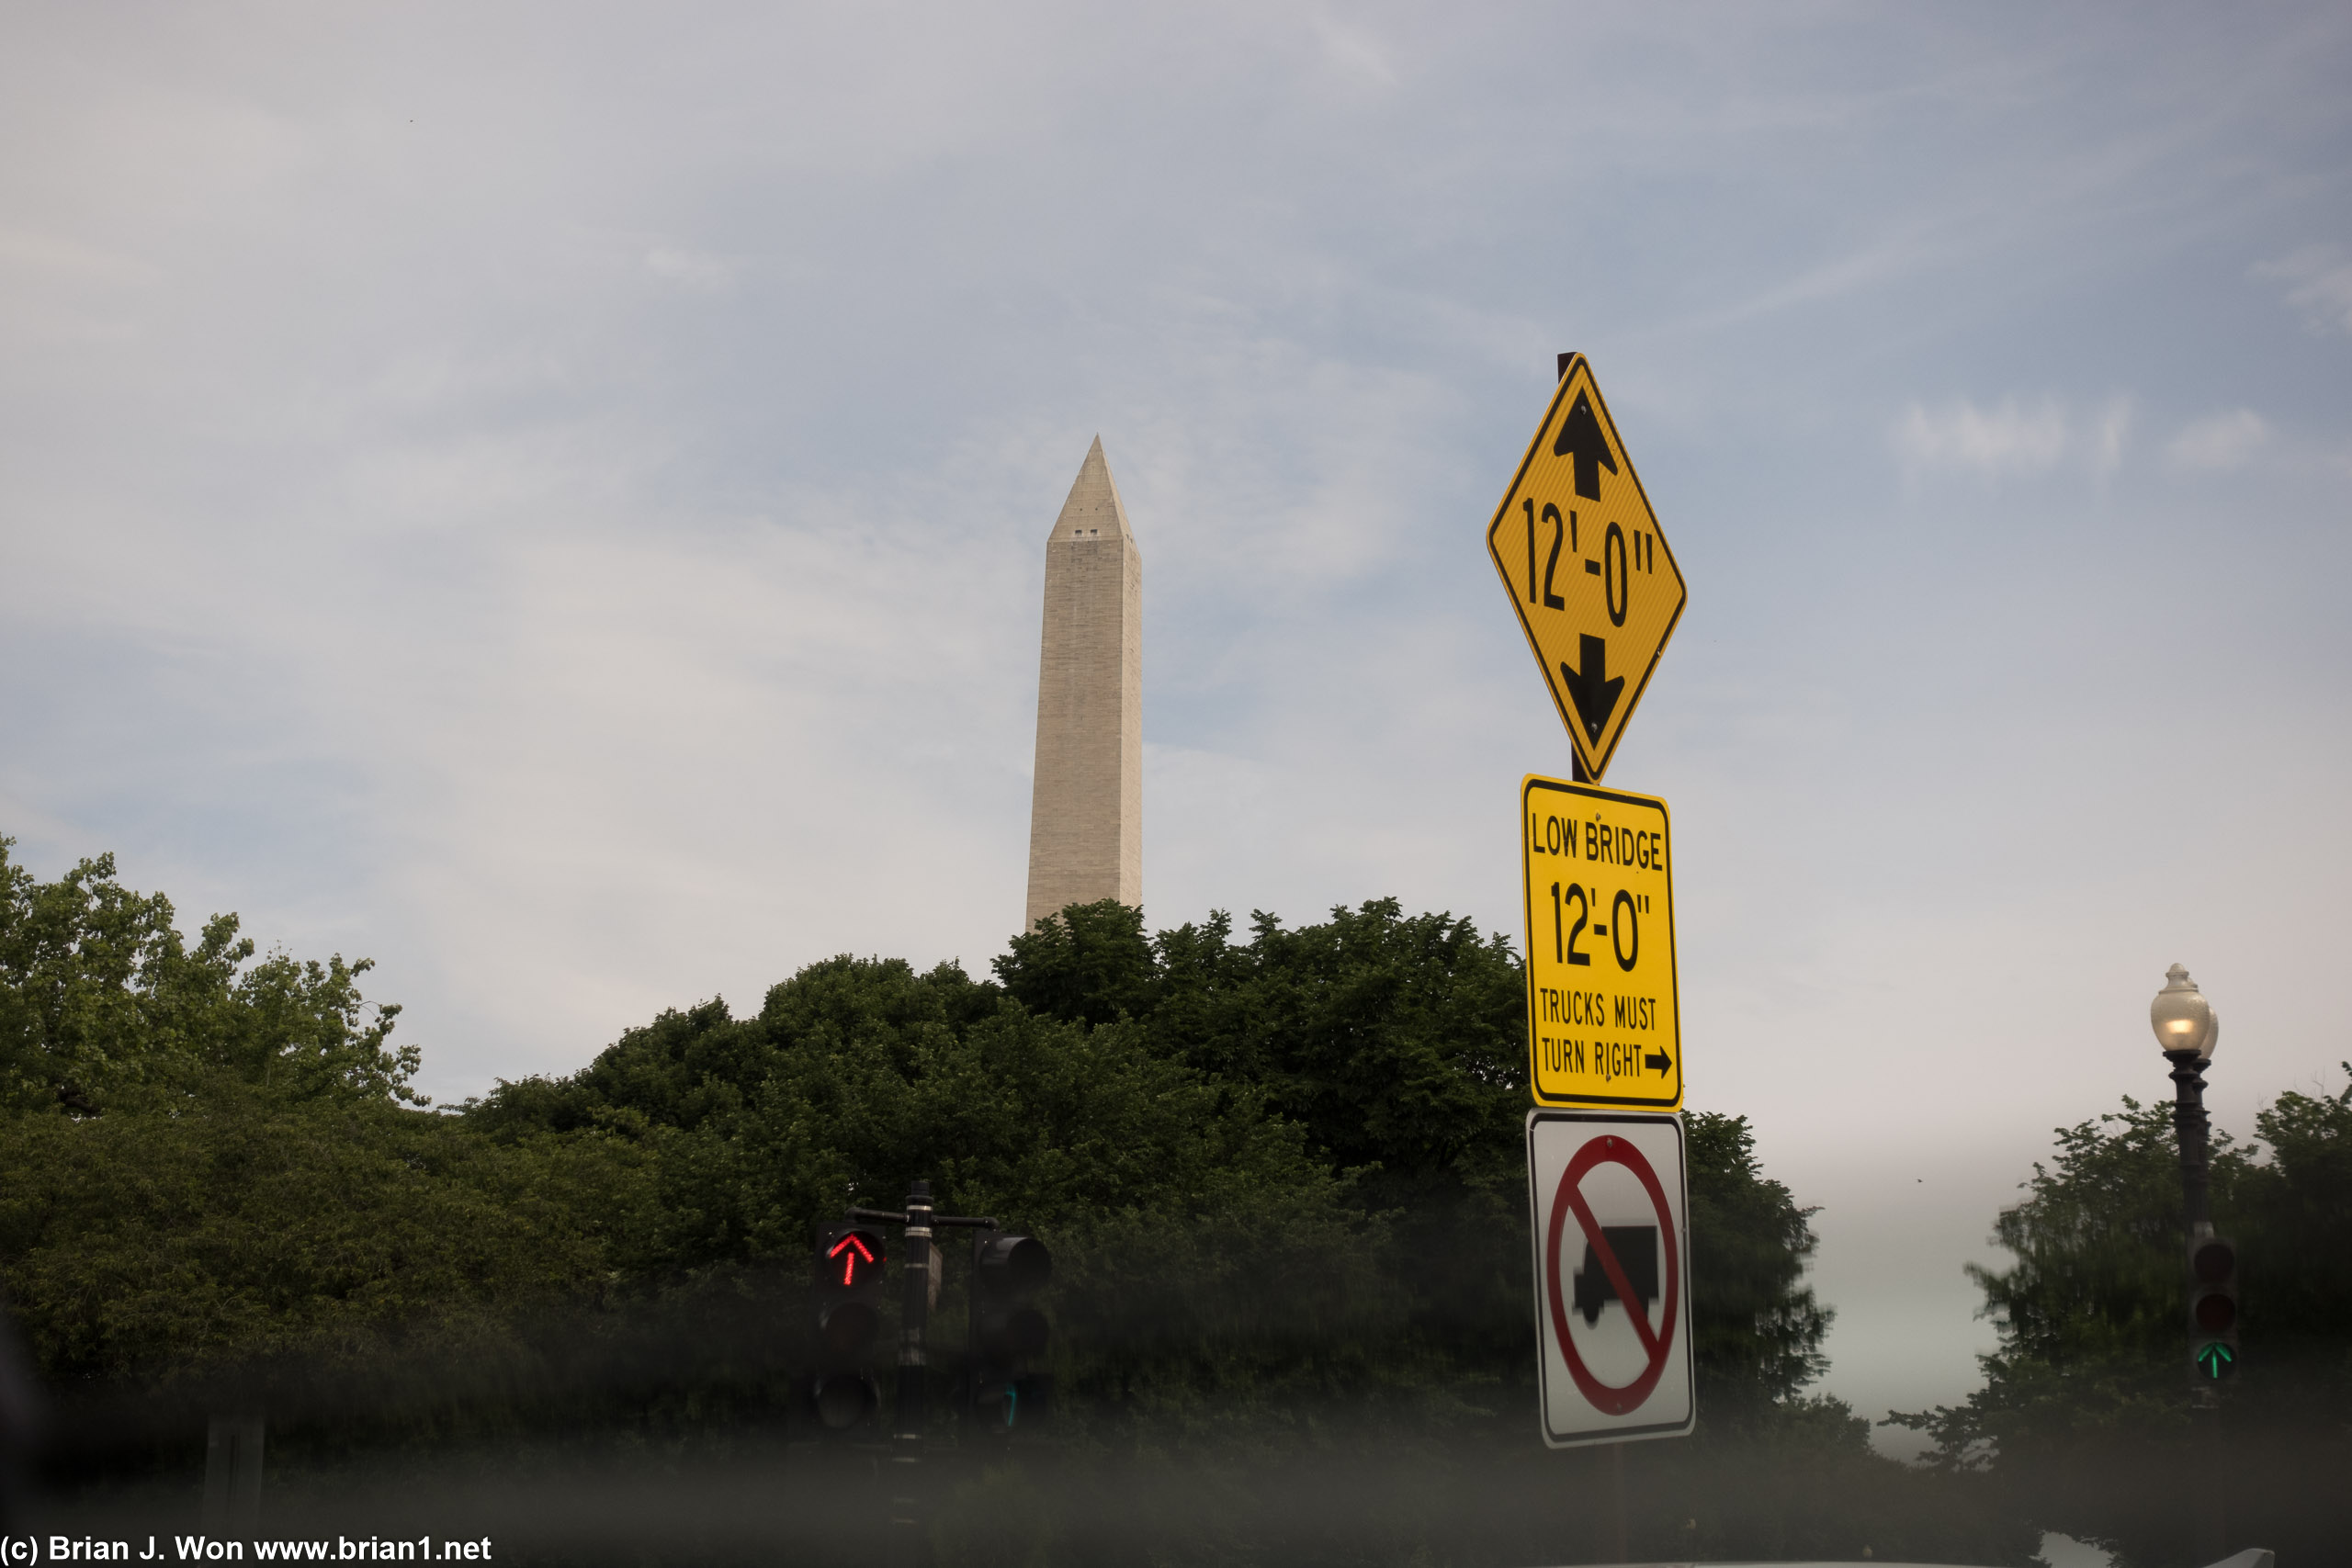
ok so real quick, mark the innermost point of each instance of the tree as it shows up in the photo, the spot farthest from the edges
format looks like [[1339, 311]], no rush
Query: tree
[[2088, 1420], [858, 1076], [1282, 1177], [103, 1004], [142, 1248], [207, 1157], [1394, 1041], [1757, 1329], [1091, 963], [1399, 1045]]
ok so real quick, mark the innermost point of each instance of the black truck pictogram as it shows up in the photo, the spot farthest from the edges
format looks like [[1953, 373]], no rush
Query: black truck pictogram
[[1636, 1250]]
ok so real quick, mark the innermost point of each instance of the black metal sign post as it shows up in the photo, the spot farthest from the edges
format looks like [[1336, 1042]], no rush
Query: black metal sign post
[[906, 1437], [907, 1429], [1616, 1451], [2193, 1128]]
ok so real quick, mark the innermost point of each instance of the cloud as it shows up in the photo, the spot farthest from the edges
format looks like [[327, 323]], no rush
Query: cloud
[[2219, 442], [59, 256], [2010, 439], [1994, 441], [690, 269], [2108, 435], [2318, 281], [1354, 53]]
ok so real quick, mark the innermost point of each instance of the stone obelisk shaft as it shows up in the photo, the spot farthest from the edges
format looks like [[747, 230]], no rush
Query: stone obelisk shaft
[[1086, 816]]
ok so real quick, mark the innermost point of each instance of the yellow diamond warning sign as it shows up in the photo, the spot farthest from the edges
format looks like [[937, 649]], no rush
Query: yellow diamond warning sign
[[1590, 577], [1601, 1019]]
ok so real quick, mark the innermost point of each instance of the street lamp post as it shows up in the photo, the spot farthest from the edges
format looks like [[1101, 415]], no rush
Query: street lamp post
[[2187, 1029]]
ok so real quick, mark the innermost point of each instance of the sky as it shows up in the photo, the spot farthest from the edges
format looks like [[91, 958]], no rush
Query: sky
[[552, 499]]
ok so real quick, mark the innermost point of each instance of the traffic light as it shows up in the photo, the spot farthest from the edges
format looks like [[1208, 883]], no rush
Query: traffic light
[[2213, 1308], [842, 1390], [1009, 1333]]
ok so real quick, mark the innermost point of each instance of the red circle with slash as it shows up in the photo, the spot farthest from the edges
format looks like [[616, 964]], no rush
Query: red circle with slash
[[1655, 1343]]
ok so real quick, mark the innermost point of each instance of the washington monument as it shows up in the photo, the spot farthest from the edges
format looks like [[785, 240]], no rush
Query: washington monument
[[1086, 816]]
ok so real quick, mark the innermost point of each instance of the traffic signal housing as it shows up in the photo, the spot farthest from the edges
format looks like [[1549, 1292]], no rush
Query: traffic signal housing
[[843, 1393], [2213, 1308], [1010, 1333]]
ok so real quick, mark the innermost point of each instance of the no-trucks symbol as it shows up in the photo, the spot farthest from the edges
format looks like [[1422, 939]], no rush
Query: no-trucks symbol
[[1598, 1245], [1609, 1286]]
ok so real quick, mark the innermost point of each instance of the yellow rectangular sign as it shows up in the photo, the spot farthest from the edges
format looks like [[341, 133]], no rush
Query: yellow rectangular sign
[[1602, 1028]]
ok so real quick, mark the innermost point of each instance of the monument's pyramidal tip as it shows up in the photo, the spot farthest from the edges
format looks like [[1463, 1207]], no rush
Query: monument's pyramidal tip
[[1093, 509]]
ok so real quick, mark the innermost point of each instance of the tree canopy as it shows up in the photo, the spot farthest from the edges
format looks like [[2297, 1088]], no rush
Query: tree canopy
[[2088, 1418], [103, 1003], [1282, 1176], [206, 1155]]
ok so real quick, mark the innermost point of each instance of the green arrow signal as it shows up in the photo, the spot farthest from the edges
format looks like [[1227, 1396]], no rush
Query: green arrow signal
[[2215, 1359]]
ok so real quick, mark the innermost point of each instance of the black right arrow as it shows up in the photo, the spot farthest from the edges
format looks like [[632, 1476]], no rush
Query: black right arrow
[[1580, 438], [1659, 1060], [1591, 688]]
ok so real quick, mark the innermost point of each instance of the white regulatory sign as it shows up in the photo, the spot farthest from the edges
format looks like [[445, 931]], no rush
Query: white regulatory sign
[[1613, 1275]]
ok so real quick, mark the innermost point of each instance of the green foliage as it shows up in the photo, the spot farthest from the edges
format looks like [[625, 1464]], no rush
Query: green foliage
[[1757, 1329], [2088, 1417], [2099, 1243], [1157, 1183], [1172, 1108], [1399, 1045], [1091, 963], [1284, 1179], [859, 1075], [142, 1246], [203, 1156], [103, 1004], [1396, 1042], [2292, 1214]]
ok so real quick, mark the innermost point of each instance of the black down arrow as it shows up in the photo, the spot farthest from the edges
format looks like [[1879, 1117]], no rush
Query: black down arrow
[[1593, 689], [1581, 439]]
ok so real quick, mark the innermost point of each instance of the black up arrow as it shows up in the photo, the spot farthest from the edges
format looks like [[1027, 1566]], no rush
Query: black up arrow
[[1659, 1060], [1580, 438], [1591, 689]]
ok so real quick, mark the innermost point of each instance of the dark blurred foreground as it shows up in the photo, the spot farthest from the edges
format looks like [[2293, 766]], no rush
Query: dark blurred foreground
[[680, 1437], [671, 1481], [676, 1432], [766, 1502]]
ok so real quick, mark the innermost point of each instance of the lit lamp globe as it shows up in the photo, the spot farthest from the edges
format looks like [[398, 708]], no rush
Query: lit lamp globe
[[2182, 1018]]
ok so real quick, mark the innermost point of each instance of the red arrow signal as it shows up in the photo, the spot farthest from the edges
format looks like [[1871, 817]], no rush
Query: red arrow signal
[[850, 1251]]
